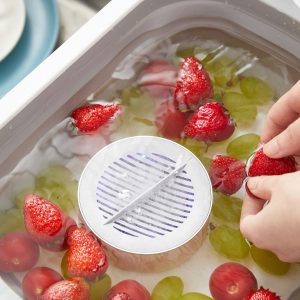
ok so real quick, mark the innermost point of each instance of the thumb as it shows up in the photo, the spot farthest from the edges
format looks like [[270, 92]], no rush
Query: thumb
[[286, 143], [261, 186], [251, 206]]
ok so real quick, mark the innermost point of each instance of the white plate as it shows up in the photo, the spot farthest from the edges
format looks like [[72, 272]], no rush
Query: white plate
[[12, 21]]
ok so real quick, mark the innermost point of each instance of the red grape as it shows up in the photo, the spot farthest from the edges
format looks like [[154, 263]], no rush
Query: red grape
[[231, 281], [18, 252], [159, 78], [37, 280], [128, 290]]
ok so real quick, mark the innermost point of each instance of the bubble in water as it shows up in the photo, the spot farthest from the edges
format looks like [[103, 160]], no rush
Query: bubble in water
[[138, 210], [124, 195], [129, 219]]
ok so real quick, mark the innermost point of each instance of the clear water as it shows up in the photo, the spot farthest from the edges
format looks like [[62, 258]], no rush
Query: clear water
[[139, 117]]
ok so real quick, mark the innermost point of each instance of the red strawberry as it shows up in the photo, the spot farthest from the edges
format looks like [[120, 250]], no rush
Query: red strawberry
[[158, 78], [227, 174], [210, 123], [86, 258], [169, 121], [71, 289], [262, 294], [261, 164], [193, 85], [46, 223], [90, 118]]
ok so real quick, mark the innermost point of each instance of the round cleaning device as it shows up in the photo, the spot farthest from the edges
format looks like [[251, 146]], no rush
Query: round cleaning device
[[148, 200]]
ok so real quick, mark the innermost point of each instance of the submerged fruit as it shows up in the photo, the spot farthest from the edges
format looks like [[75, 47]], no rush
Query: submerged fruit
[[46, 223], [232, 281], [243, 146], [85, 257], [168, 288], [169, 121], [241, 109], [229, 242], [262, 294], [257, 90], [72, 289], [268, 261], [227, 174], [128, 290], [193, 85], [37, 280], [18, 252], [158, 78], [210, 123], [88, 119], [227, 208]]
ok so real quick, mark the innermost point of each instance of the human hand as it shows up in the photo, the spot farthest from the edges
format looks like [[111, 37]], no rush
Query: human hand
[[281, 133], [274, 226]]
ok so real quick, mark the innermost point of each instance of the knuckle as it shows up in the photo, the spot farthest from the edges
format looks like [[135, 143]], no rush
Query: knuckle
[[287, 138]]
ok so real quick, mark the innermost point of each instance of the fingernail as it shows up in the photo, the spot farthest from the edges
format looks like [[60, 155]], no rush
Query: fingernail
[[271, 148], [252, 183]]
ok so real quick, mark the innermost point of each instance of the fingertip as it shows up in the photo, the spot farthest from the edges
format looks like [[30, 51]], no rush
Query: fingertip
[[272, 149]]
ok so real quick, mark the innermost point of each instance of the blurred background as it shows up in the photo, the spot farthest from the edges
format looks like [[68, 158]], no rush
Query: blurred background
[[30, 30]]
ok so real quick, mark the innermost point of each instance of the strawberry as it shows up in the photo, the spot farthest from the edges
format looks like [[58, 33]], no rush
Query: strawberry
[[86, 258], [210, 123], [71, 289], [88, 119], [262, 294], [169, 121], [227, 174], [193, 85], [46, 223], [158, 78], [261, 164]]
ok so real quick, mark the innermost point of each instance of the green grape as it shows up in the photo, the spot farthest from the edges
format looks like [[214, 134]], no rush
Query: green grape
[[243, 146], [195, 146], [240, 108], [53, 176], [194, 296], [98, 289], [72, 189], [227, 208], [60, 197], [11, 220], [169, 288], [138, 103], [268, 261], [222, 70], [256, 89], [229, 242], [43, 192], [184, 53], [137, 117], [19, 198], [63, 267], [206, 162]]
